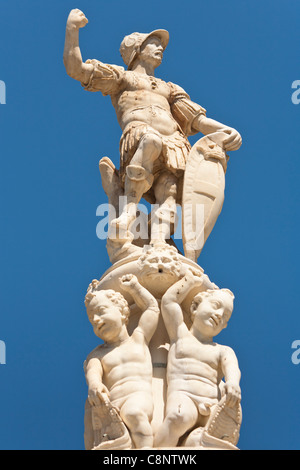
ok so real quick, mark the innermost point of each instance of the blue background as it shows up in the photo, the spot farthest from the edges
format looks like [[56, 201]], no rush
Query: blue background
[[238, 59]]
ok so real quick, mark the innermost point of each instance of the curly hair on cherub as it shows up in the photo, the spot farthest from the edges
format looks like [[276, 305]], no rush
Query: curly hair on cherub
[[115, 297]]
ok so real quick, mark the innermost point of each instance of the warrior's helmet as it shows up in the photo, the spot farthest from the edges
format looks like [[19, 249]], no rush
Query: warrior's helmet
[[131, 44]]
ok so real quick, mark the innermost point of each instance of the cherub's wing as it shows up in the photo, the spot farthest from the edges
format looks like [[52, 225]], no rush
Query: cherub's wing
[[224, 422], [109, 430]]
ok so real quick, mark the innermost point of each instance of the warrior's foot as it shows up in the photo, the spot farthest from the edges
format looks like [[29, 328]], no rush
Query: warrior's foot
[[158, 241], [122, 224]]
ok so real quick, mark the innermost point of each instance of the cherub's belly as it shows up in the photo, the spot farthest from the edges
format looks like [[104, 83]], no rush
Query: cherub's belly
[[192, 375], [196, 387], [128, 377], [128, 386]]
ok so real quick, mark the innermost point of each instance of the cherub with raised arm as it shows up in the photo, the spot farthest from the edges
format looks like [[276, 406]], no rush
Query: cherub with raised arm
[[121, 368], [196, 364]]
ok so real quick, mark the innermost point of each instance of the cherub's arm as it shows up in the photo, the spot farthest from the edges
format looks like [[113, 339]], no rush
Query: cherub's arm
[[170, 305], [146, 302], [232, 375], [97, 391], [75, 67]]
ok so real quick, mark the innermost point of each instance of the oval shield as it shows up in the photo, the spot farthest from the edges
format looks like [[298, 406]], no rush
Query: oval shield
[[203, 192]]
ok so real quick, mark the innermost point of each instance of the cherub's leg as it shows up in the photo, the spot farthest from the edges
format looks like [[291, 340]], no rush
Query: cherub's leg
[[136, 413], [181, 415], [139, 177], [164, 216]]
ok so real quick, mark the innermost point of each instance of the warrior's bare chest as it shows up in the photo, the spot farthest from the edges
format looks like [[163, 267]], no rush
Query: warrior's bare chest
[[141, 82]]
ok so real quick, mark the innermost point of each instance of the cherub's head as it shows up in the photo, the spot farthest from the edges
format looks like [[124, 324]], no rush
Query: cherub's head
[[107, 310], [211, 310]]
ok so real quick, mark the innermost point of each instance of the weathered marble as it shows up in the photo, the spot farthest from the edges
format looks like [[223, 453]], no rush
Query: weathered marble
[[157, 379]]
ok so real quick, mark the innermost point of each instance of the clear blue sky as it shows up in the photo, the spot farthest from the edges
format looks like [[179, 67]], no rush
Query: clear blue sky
[[238, 59]]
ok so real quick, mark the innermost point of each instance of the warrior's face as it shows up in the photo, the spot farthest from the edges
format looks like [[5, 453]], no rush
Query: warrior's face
[[151, 51]]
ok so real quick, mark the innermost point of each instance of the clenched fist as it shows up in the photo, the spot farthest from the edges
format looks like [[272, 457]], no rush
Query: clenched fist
[[129, 282], [77, 19]]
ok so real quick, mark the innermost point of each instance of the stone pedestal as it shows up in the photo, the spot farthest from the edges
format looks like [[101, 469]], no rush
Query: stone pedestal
[[157, 379]]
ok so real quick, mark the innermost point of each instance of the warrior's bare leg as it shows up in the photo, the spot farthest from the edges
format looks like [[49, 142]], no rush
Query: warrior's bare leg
[[139, 177], [163, 218]]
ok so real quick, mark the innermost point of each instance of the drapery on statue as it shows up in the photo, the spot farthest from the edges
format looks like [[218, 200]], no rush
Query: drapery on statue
[[156, 119], [157, 381]]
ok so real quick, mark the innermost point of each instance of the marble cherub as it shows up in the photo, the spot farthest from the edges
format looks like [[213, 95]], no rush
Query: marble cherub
[[121, 368], [196, 364], [156, 118]]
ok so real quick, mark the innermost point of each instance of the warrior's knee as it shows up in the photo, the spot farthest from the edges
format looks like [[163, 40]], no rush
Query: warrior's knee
[[153, 142]]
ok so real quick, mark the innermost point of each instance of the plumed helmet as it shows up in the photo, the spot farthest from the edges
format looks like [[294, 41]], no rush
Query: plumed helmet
[[131, 44]]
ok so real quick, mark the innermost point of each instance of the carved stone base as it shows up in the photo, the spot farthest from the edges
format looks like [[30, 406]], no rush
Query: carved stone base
[[156, 269]]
